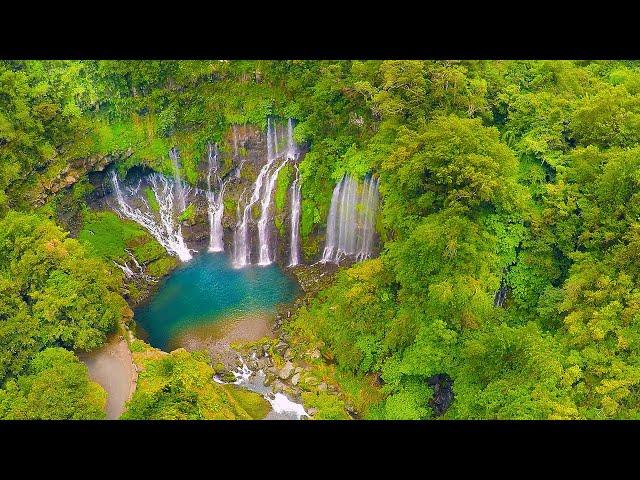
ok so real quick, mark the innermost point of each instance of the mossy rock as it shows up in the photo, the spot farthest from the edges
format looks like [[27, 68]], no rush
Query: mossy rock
[[189, 213], [149, 251], [311, 246], [282, 187], [151, 199], [253, 403], [106, 235], [230, 205], [162, 266], [256, 210], [279, 225], [227, 376], [328, 407]]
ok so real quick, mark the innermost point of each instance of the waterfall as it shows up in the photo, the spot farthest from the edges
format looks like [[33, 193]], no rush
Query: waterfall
[[263, 192], [139, 273], [242, 245], [128, 273], [263, 224], [368, 217], [292, 148], [164, 225], [351, 221], [330, 242], [215, 205], [294, 252], [181, 191], [241, 241]]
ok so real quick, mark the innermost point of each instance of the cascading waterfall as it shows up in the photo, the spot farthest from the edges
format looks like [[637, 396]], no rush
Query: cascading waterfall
[[294, 252], [215, 201], [181, 190], [241, 241], [368, 217], [139, 273], [165, 229], [264, 236], [292, 148], [350, 225], [263, 192], [330, 240]]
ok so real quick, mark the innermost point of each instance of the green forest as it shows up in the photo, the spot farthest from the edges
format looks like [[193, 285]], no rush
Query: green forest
[[508, 225]]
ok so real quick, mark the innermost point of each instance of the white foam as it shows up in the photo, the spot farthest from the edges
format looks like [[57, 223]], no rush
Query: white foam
[[282, 404]]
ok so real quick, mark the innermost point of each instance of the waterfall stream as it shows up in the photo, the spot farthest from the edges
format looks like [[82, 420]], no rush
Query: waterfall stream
[[264, 232], [262, 192], [242, 245], [294, 252], [351, 221], [163, 224], [215, 201]]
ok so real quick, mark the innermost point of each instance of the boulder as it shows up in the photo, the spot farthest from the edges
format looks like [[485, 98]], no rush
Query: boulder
[[295, 379], [286, 371], [227, 377], [219, 368]]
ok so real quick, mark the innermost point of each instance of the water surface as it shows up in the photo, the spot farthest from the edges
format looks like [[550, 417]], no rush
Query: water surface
[[207, 290]]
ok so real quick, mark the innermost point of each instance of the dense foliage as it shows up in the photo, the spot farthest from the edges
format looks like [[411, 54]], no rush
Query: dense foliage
[[511, 176], [178, 386], [517, 177], [53, 293], [54, 387]]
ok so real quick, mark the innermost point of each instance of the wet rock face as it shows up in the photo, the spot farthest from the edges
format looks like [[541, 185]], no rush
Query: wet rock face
[[72, 173], [243, 145], [442, 385], [196, 230], [98, 198]]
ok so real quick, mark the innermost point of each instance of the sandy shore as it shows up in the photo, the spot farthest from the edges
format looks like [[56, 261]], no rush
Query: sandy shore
[[218, 337], [112, 367]]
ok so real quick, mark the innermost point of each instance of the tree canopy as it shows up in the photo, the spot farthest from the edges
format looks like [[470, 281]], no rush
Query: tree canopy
[[510, 239]]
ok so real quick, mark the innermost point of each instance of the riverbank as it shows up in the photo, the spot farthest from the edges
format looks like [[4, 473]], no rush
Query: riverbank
[[217, 338], [112, 367]]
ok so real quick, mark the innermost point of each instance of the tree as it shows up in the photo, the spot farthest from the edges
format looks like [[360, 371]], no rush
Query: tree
[[55, 294], [55, 386]]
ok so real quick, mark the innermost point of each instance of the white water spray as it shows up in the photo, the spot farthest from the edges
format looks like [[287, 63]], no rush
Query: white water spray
[[294, 252], [163, 226], [263, 192], [264, 232], [215, 201], [351, 221]]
